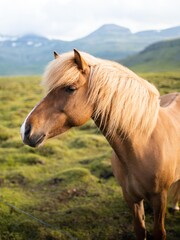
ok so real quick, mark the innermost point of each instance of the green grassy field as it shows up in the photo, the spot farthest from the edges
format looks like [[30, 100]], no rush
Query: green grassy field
[[67, 183]]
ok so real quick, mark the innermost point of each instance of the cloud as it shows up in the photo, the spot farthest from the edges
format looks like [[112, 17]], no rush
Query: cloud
[[67, 19]]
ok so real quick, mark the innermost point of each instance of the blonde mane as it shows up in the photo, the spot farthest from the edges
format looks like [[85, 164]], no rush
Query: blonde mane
[[124, 101]]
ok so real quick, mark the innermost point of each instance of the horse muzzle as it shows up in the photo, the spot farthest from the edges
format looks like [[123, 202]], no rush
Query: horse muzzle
[[29, 138]]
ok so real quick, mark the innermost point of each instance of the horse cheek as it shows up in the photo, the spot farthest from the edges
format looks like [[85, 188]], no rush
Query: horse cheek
[[80, 116]]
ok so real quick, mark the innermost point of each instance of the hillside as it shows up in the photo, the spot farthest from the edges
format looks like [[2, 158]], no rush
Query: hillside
[[161, 56], [28, 55]]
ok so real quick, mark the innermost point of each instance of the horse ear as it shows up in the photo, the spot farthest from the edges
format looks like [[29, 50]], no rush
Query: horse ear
[[82, 65], [56, 55]]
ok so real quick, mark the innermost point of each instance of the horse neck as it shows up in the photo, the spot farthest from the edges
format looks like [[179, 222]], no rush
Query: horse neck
[[136, 149], [120, 143], [126, 147]]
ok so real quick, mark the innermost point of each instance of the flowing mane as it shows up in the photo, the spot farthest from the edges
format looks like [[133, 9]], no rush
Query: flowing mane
[[124, 101]]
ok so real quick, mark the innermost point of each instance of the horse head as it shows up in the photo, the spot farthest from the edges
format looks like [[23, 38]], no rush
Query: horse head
[[65, 104]]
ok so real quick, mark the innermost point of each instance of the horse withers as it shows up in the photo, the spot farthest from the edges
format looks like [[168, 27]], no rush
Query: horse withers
[[142, 128]]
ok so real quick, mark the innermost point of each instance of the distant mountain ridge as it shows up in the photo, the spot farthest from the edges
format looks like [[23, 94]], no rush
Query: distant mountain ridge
[[109, 30], [27, 55]]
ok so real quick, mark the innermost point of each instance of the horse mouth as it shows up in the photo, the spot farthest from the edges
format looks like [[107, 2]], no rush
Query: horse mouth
[[40, 140], [35, 141]]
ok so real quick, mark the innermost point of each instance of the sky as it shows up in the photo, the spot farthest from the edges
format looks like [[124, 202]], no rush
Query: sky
[[72, 19]]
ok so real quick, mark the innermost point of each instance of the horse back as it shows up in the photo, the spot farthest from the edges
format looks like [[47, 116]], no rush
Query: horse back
[[171, 103], [168, 99]]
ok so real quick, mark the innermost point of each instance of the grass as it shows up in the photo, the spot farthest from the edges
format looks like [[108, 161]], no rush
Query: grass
[[67, 183]]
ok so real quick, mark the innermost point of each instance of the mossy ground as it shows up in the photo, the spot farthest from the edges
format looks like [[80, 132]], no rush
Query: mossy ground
[[67, 183]]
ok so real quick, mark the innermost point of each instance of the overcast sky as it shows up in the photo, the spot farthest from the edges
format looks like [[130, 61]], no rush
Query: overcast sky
[[71, 19]]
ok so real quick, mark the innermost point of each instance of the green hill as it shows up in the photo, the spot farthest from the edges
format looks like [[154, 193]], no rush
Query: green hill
[[161, 56]]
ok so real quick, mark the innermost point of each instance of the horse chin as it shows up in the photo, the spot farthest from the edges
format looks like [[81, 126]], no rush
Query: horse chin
[[57, 132]]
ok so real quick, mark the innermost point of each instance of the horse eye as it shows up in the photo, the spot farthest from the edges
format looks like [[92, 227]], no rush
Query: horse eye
[[70, 89]]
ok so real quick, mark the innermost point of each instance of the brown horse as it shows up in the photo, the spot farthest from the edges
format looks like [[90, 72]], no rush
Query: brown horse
[[142, 128]]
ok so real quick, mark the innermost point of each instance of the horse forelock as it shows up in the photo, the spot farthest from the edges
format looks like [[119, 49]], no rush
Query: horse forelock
[[60, 72], [63, 71], [124, 101]]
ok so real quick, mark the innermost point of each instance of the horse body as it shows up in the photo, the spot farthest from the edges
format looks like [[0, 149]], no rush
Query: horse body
[[147, 170], [144, 135]]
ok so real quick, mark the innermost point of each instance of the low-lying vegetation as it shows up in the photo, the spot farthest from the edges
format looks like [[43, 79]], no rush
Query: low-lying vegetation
[[65, 189]]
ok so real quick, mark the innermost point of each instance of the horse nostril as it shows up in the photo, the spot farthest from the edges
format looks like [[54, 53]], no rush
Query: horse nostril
[[27, 130]]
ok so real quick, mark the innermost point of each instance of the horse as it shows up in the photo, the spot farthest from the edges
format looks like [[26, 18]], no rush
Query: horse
[[142, 128]]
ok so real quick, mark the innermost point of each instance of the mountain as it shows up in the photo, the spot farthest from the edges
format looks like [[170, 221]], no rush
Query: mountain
[[29, 54], [108, 41], [160, 56], [6, 38], [108, 31], [115, 42], [167, 33]]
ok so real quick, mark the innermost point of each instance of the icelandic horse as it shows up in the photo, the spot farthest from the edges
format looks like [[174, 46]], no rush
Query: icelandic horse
[[142, 128]]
